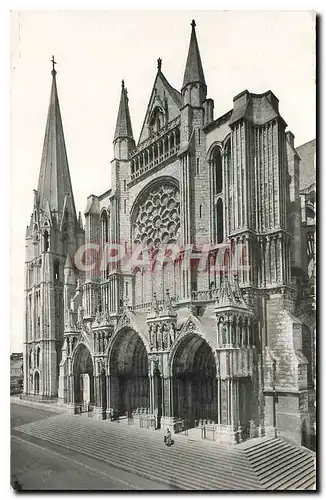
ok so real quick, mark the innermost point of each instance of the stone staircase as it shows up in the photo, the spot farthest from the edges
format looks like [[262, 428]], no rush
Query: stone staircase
[[187, 465], [280, 465]]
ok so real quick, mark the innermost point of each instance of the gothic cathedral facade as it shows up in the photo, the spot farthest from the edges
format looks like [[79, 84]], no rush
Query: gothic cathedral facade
[[165, 338]]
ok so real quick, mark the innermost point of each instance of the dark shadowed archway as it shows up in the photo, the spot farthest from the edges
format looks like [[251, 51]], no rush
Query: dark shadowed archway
[[83, 376], [194, 380], [128, 368]]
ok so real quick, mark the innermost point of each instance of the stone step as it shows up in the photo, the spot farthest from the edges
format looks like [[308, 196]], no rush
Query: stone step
[[274, 458], [280, 465], [199, 468], [134, 464], [280, 462], [266, 464], [308, 481], [188, 471], [291, 474], [134, 438]]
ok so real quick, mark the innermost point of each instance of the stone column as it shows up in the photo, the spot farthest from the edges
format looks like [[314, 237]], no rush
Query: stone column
[[108, 392], [151, 393], [218, 401]]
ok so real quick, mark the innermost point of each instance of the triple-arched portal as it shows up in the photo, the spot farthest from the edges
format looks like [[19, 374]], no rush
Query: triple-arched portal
[[132, 378]]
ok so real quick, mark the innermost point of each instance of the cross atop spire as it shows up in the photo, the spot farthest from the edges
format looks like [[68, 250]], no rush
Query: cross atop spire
[[53, 72], [159, 64], [193, 24]]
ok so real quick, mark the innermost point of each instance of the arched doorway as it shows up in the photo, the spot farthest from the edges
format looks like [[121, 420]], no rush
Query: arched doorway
[[128, 366], [83, 376], [194, 380], [37, 383]]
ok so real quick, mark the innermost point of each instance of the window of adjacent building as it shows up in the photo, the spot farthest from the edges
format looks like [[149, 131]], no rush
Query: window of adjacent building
[[197, 166]]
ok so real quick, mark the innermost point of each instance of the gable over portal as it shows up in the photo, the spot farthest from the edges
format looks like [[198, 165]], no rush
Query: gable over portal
[[163, 107]]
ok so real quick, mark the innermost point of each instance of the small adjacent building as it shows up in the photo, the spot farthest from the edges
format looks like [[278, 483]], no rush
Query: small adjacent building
[[16, 372]]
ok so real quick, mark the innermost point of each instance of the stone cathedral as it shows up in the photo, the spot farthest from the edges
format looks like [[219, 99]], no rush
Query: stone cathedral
[[168, 339]]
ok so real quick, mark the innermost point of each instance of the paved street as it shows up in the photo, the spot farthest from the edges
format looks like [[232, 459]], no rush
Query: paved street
[[40, 465]]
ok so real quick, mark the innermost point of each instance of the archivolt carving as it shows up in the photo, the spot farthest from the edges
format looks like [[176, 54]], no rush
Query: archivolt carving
[[158, 218]]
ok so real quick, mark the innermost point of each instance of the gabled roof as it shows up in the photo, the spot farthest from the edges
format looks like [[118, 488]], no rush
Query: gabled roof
[[230, 296], [54, 180], [162, 93]]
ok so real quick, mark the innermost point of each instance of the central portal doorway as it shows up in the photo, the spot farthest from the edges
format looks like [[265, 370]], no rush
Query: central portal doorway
[[194, 381]]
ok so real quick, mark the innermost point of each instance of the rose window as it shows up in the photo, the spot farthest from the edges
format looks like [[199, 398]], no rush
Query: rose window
[[158, 218]]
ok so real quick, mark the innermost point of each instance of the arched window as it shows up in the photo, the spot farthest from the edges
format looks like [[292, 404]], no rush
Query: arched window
[[217, 169], [219, 221], [46, 241], [38, 357], [105, 227]]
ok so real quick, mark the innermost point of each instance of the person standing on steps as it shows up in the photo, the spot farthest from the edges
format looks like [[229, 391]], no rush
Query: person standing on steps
[[168, 438]]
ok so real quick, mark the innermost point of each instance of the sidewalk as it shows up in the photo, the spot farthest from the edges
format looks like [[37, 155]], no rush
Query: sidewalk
[[51, 405]]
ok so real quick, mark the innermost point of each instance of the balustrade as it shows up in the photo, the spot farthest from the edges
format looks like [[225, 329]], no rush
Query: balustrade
[[155, 150], [204, 295]]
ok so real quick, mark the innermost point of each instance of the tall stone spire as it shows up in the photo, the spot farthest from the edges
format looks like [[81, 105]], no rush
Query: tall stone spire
[[194, 69], [54, 180], [123, 127]]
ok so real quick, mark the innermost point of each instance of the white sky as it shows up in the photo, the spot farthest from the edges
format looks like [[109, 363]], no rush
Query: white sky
[[95, 49]]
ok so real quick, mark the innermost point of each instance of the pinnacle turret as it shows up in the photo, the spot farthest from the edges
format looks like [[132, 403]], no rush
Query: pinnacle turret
[[194, 69], [123, 127]]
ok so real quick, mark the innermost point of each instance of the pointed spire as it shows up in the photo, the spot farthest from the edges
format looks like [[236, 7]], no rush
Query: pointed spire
[[194, 69], [54, 181], [123, 127]]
